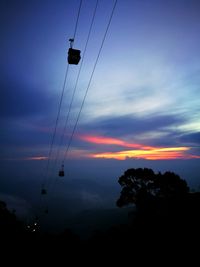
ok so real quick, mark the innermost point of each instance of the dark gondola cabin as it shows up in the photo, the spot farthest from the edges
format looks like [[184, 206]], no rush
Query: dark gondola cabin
[[61, 171], [43, 191], [74, 56], [46, 211]]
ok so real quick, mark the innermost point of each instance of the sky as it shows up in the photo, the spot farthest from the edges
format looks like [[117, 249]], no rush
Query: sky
[[140, 78]]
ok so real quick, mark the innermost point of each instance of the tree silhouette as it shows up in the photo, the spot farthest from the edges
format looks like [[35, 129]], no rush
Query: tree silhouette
[[170, 185], [144, 188], [164, 206], [9, 224]]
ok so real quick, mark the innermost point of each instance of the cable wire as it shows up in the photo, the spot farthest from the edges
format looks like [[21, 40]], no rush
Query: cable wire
[[79, 10], [60, 104], [55, 128], [76, 83], [45, 176], [95, 64], [77, 79]]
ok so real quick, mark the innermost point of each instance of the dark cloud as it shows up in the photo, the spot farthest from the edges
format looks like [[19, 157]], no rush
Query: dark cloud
[[18, 99], [23, 134], [27, 112], [192, 138], [125, 125], [121, 127]]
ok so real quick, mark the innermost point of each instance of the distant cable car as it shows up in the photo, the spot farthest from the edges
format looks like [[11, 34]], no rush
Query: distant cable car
[[73, 54], [61, 172], [43, 191], [46, 211]]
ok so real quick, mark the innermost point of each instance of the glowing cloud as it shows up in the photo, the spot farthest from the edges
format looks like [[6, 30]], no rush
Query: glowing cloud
[[153, 154], [141, 151], [36, 158], [111, 141], [27, 158]]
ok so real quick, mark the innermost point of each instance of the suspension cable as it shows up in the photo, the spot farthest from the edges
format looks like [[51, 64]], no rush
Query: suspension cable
[[76, 83], [59, 108], [77, 19], [86, 92], [77, 79], [55, 128]]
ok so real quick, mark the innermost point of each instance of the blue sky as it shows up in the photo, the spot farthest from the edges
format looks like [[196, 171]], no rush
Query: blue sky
[[142, 106]]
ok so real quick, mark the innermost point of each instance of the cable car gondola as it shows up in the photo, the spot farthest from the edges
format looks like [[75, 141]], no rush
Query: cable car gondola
[[73, 54], [43, 191], [61, 172], [46, 211]]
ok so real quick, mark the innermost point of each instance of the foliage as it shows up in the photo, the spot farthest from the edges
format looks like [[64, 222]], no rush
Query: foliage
[[10, 226], [143, 186]]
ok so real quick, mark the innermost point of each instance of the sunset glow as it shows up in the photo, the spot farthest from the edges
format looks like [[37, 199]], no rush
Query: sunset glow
[[36, 158], [154, 154], [112, 141], [142, 151]]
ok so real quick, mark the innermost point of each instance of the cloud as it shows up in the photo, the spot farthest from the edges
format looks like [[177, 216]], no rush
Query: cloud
[[140, 152], [22, 100], [192, 138], [153, 154], [155, 138], [111, 141], [130, 124], [25, 116]]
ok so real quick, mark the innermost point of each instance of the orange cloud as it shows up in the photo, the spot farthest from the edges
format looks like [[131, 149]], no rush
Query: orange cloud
[[36, 158], [140, 151], [153, 154], [111, 141], [27, 158]]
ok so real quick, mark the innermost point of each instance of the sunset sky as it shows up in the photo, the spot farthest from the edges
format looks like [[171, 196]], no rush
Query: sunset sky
[[142, 104]]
